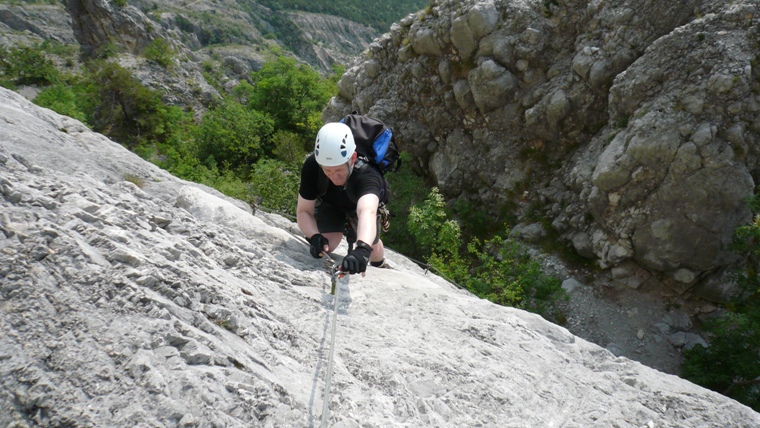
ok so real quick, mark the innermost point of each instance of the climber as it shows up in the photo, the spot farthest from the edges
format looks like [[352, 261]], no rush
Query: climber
[[340, 192]]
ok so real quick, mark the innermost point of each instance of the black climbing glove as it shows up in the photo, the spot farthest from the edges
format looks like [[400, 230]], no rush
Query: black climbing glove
[[356, 261], [317, 244]]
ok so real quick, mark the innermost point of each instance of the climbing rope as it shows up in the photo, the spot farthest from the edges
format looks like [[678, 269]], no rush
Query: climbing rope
[[336, 276]]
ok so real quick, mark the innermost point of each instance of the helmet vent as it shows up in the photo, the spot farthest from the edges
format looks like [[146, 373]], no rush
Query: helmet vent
[[343, 151]]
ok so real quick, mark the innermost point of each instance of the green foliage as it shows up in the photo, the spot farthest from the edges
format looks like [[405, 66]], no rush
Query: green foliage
[[120, 3], [161, 52], [407, 190], [108, 50], [293, 95], [126, 110], [506, 274], [500, 270], [27, 65], [276, 184], [289, 147], [621, 122], [62, 99], [379, 14], [474, 220], [730, 364], [429, 227], [233, 136]]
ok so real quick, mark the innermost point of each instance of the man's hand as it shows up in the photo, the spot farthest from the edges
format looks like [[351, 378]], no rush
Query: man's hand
[[356, 261], [318, 245]]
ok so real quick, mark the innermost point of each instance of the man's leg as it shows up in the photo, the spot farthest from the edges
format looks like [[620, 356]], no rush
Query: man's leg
[[330, 223], [334, 238], [378, 252]]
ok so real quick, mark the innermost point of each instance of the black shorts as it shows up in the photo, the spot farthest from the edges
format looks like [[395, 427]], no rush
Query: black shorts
[[330, 219]]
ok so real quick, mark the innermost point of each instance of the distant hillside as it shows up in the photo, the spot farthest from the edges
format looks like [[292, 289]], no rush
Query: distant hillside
[[377, 14]]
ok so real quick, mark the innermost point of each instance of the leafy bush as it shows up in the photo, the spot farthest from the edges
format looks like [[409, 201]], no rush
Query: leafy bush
[[293, 95], [498, 269], [125, 109], [289, 147], [730, 364], [161, 52], [504, 273], [276, 183], [62, 99], [27, 65], [407, 190], [233, 137], [429, 227]]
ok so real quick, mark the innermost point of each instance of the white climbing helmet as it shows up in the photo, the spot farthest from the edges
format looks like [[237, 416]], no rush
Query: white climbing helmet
[[335, 144]]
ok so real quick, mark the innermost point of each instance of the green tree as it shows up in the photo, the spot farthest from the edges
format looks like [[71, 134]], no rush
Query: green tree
[[500, 270], [233, 136], [289, 147], [276, 184], [293, 95], [161, 52], [124, 109], [431, 230], [730, 364], [62, 99], [27, 65]]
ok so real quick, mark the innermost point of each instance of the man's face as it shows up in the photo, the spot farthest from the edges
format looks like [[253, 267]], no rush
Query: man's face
[[337, 174]]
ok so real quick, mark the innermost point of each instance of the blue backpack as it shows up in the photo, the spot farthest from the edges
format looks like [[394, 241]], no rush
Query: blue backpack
[[374, 141], [375, 146]]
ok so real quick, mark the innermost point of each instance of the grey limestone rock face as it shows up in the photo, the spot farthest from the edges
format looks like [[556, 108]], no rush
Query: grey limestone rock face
[[130, 298], [632, 124]]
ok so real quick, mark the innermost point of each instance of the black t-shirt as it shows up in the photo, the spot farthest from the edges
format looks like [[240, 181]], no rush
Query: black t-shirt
[[362, 181]]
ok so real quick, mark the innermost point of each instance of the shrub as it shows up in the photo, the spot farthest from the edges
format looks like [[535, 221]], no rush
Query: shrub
[[119, 106], [289, 147], [293, 95], [429, 227], [276, 183], [161, 52], [233, 136], [730, 364], [27, 65], [407, 190], [500, 270], [63, 100]]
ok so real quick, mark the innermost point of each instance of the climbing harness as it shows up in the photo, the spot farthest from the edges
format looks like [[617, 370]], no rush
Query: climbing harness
[[338, 278]]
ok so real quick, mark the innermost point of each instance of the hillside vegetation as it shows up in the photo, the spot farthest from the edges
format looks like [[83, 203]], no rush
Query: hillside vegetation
[[377, 14]]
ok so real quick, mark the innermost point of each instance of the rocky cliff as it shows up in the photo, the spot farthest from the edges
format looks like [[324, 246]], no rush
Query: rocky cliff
[[228, 38], [131, 298], [630, 126]]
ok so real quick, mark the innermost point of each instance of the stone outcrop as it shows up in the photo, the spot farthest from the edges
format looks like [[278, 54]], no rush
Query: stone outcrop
[[98, 23], [632, 124], [131, 298], [330, 40], [29, 23]]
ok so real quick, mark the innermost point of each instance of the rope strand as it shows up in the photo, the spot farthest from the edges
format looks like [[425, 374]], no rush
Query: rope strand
[[328, 376]]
